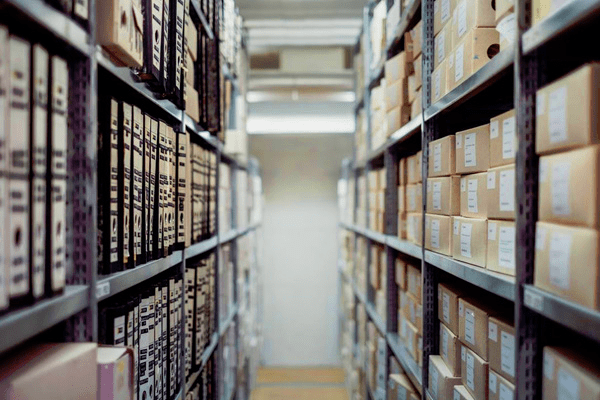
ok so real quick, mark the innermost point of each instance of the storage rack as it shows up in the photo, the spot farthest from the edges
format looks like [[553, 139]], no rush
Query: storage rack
[[77, 307], [540, 54]]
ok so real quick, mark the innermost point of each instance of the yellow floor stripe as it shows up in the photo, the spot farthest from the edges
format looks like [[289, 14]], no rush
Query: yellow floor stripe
[[300, 375]]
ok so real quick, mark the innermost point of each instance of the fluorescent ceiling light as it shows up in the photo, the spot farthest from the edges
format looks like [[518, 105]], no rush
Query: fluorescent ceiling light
[[258, 96], [300, 124]]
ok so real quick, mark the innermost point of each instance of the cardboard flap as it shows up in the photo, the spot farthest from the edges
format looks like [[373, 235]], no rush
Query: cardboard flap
[[138, 19]]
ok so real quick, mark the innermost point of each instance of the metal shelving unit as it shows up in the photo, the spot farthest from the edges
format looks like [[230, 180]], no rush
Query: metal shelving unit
[[196, 6]]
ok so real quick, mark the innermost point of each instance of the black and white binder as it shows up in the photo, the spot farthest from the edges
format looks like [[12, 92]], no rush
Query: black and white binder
[[158, 354], [125, 137], [137, 184], [153, 210]]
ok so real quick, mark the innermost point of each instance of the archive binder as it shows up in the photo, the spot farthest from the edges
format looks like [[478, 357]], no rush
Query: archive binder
[[164, 338], [153, 214], [165, 44], [176, 32], [158, 354], [169, 191], [172, 347], [190, 294], [112, 329], [152, 11], [187, 207], [162, 185], [81, 9], [18, 147], [181, 188], [136, 345], [137, 184], [125, 182], [146, 390], [3, 243], [146, 198], [200, 323]]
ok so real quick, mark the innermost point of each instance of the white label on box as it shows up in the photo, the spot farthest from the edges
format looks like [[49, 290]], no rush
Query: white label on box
[[437, 196], [444, 343], [435, 233], [507, 190], [458, 139], [456, 394], [543, 170], [463, 184], [440, 47], [462, 18], [492, 331], [470, 371], [492, 231], [560, 258], [433, 373], [507, 353], [456, 227], [568, 386], [436, 83], [493, 382], [506, 247], [540, 104], [463, 353], [494, 129], [458, 61], [461, 309], [470, 150], [470, 326], [557, 115], [506, 393], [548, 366], [446, 307], [540, 238], [445, 10], [491, 180], [465, 239], [436, 6], [560, 189], [437, 157], [472, 196], [508, 138]]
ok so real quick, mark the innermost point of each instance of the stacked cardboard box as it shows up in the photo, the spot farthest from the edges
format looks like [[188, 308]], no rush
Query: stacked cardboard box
[[410, 306], [376, 360], [378, 34], [361, 207], [413, 42], [570, 373], [225, 198], [377, 185], [567, 237], [378, 115], [360, 273], [397, 72], [400, 387], [378, 278], [410, 195], [360, 138]]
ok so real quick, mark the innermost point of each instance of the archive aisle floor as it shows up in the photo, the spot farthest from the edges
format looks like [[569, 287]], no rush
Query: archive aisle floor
[[300, 384]]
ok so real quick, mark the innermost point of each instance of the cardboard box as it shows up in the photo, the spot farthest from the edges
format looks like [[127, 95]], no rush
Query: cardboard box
[[418, 68], [566, 262], [442, 156], [474, 195], [402, 226], [450, 349], [439, 86], [473, 326], [442, 14], [120, 31], [400, 387], [398, 67], [413, 168], [402, 172], [413, 312], [412, 340], [442, 44], [461, 393], [441, 381], [414, 228], [374, 180], [419, 166], [401, 274], [414, 197], [504, 8], [501, 247], [115, 373], [541, 9], [396, 94], [503, 139], [443, 195], [472, 14], [397, 118], [569, 372], [401, 200], [416, 36], [192, 102], [473, 150], [413, 88], [438, 233], [51, 371], [474, 373], [448, 296], [568, 187], [500, 388], [501, 347], [413, 276], [415, 107], [566, 111], [501, 196], [478, 47]]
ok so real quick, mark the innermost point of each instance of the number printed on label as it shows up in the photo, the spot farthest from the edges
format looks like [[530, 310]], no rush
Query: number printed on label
[[435, 234], [446, 307], [470, 371], [507, 353], [437, 196], [506, 247], [439, 46], [472, 196], [437, 157]]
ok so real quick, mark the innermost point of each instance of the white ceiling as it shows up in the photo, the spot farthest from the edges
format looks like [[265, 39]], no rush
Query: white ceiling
[[300, 9]]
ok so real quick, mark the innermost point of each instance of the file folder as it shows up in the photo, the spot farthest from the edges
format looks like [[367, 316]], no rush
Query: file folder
[[146, 200], [165, 44], [165, 338], [152, 11], [137, 184], [163, 233], [125, 137], [153, 214], [182, 160], [136, 347], [158, 354]]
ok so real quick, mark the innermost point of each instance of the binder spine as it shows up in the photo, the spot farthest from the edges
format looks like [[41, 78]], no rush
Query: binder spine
[[81, 9], [152, 10], [162, 171], [165, 44], [153, 214], [190, 294], [181, 188], [144, 386], [4, 107], [138, 184], [164, 339], [146, 200], [176, 56], [172, 348], [158, 354], [136, 348], [125, 172], [151, 349], [172, 189]]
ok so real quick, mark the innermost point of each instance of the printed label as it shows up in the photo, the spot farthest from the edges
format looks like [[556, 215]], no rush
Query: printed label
[[491, 231], [568, 386], [557, 115], [507, 190], [435, 234], [543, 170], [492, 331], [437, 196], [472, 196], [445, 10], [540, 104], [470, 326], [446, 307], [560, 258], [540, 238], [462, 18], [458, 61], [436, 84], [508, 138], [456, 227], [433, 373], [440, 41], [456, 394], [437, 157], [494, 129], [549, 367], [506, 247], [470, 150], [491, 180], [458, 139], [444, 343], [463, 353], [505, 393], [465, 239], [493, 382], [560, 189], [463, 185], [507, 353], [470, 371]]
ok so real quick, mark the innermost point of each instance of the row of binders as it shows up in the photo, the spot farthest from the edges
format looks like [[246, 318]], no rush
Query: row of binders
[[79, 9], [34, 88], [149, 321], [156, 190], [204, 388]]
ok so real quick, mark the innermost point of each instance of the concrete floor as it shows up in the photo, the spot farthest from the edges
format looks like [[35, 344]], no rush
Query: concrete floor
[[300, 384]]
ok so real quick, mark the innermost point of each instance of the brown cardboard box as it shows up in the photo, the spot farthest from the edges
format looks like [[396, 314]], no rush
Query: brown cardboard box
[[478, 47], [439, 85], [473, 150], [51, 371], [571, 373], [503, 139], [191, 36], [501, 192], [402, 172], [442, 156], [473, 326], [442, 44], [413, 169], [189, 65], [472, 14], [398, 67], [118, 22], [192, 102], [474, 195], [442, 14], [567, 111], [413, 88], [474, 373], [414, 228], [418, 67], [501, 247], [443, 195], [501, 347], [438, 233], [448, 296], [500, 388], [374, 181], [504, 8], [401, 199], [115, 373], [415, 107], [419, 165], [414, 197], [413, 275], [413, 312], [416, 36], [382, 178], [566, 262], [450, 349], [396, 118], [541, 9], [401, 274], [402, 225], [400, 387], [441, 381], [396, 94], [461, 393], [569, 185], [412, 340]]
